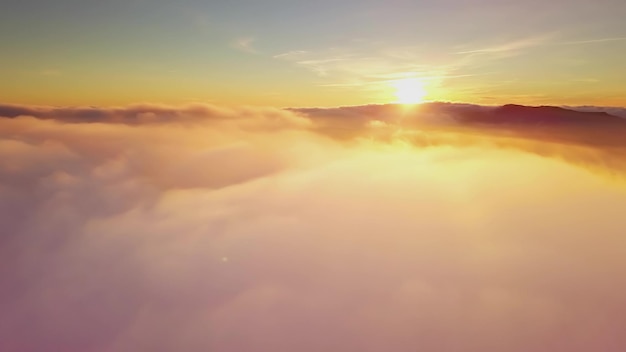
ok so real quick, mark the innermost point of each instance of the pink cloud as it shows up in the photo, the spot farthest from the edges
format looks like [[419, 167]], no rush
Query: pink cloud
[[205, 228]]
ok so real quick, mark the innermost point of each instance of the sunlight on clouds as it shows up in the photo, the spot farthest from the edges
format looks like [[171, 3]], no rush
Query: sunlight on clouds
[[250, 229]]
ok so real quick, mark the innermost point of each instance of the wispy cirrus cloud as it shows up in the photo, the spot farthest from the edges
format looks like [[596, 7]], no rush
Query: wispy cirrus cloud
[[245, 44], [448, 71], [513, 46], [370, 67], [291, 55], [370, 64], [592, 41], [549, 39]]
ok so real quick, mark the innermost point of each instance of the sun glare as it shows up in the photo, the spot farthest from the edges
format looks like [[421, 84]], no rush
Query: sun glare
[[410, 91]]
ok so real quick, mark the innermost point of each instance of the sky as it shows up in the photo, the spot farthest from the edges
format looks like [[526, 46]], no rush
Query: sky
[[303, 53]]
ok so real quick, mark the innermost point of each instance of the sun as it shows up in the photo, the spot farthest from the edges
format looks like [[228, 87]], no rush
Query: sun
[[410, 91]]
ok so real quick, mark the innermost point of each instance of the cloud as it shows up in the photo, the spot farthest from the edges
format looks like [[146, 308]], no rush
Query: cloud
[[370, 66], [142, 114], [593, 41], [513, 46], [294, 54], [245, 45], [370, 228]]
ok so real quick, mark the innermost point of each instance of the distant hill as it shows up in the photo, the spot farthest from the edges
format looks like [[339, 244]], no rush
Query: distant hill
[[469, 114], [540, 115], [352, 116]]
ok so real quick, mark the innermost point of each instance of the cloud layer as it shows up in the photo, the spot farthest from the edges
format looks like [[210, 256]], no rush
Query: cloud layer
[[156, 228]]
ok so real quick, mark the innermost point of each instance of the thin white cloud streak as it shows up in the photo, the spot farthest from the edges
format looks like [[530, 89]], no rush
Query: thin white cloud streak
[[513, 46], [291, 54], [366, 65], [245, 45], [369, 70], [230, 234], [519, 46], [592, 41]]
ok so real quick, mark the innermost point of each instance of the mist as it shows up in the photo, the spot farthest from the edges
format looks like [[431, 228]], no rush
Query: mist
[[206, 228]]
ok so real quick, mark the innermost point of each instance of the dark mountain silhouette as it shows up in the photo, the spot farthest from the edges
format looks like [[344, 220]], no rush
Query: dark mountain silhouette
[[546, 123], [540, 115]]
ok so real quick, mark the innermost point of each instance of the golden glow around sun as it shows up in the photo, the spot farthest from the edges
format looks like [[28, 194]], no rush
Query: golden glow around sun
[[409, 91]]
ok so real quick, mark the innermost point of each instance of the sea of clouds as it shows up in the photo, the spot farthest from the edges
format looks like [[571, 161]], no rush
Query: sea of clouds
[[203, 228]]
